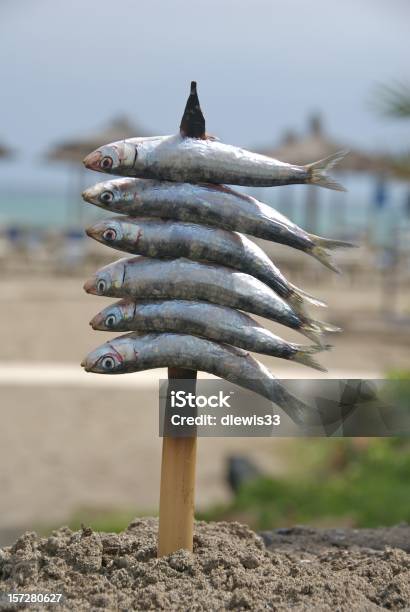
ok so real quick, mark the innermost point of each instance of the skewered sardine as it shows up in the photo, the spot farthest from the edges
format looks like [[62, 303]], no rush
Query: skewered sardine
[[173, 239], [214, 205], [146, 278], [210, 321]]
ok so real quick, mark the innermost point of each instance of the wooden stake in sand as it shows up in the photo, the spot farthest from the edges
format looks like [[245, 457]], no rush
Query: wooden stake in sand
[[177, 494]]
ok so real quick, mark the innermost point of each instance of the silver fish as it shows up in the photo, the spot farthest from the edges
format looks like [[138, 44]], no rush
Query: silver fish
[[172, 239], [134, 352], [205, 160], [146, 278], [213, 205], [210, 321]]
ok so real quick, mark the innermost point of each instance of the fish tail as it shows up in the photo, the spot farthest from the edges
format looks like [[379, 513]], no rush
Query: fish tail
[[321, 247], [299, 296], [297, 303], [312, 335], [314, 330], [304, 354], [300, 413], [318, 171], [304, 415], [322, 326]]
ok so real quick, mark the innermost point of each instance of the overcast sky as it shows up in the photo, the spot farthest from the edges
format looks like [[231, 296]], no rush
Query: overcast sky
[[261, 65]]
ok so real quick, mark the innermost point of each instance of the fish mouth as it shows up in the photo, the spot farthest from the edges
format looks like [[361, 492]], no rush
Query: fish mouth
[[96, 322], [86, 194], [92, 161], [89, 286], [92, 232], [84, 365]]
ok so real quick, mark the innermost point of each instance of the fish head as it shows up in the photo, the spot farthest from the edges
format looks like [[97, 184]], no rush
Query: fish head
[[115, 195], [115, 317], [108, 231], [106, 195], [113, 158], [106, 281], [109, 358]]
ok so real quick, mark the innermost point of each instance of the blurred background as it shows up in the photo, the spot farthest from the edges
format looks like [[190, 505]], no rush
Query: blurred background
[[294, 80]]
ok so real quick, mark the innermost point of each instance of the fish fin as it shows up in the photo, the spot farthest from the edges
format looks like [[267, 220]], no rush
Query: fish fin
[[298, 296], [193, 121], [317, 171], [298, 302], [304, 354], [302, 414], [314, 330], [322, 245], [312, 335], [225, 189], [323, 326]]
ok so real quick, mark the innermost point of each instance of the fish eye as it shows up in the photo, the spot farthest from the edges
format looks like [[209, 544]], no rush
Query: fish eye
[[106, 197], [108, 363], [110, 321], [106, 163], [101, 285], [110, 234]]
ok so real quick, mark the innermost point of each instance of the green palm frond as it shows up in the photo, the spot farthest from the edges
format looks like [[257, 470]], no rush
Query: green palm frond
[[393, 100]]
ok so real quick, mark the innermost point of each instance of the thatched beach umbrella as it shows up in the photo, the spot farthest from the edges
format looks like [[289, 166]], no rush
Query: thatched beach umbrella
[[316, 144], [5, 152], [73, 151]]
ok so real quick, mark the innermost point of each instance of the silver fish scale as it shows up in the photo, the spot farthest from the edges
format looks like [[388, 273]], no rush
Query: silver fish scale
[[185, 279], [193, 160], [185, 351], [218, 323], [170, 239], [205, 204]]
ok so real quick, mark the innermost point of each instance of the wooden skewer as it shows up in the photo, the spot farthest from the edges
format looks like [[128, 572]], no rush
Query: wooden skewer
[[177, 493]]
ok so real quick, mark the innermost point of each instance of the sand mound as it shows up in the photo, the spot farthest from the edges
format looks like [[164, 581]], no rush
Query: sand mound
[[231, 569]]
